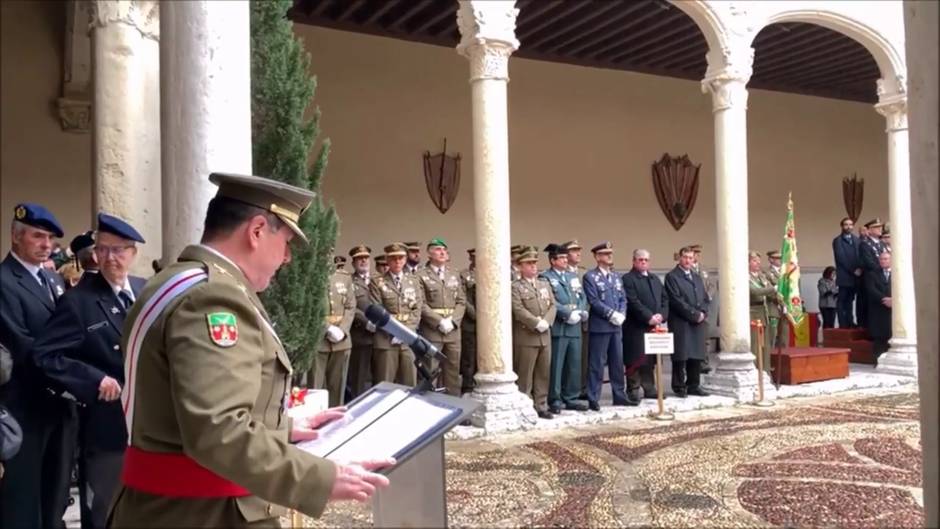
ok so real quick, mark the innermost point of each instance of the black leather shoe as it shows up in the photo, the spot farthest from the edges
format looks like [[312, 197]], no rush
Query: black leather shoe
[[681, 393], [634, 394], [466, 422], [545, 414], [626, 402], [594, 406], [555, 410], [651, 394], [575, 406], [698, 392]]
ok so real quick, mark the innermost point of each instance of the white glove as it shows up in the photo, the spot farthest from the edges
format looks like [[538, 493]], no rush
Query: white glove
[[574, 318], [542, 326], [584, 315], [370, 326], [446, 325], [616, 318], [396, 341], [334, 334]]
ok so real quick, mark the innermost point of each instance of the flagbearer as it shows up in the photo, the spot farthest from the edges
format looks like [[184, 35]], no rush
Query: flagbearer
[[207, 378], [442, 311], [779, 329], [763, 294], [332, 362]]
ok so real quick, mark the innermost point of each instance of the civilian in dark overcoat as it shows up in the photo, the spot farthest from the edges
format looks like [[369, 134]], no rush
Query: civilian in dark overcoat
[[647, 307], [688, 311]]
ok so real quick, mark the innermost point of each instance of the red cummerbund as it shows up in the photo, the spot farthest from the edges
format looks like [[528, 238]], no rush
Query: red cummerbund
[[174, 475]]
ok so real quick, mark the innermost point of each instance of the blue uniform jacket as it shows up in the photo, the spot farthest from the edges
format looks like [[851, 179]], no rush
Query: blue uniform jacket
[[568, 299], [605, 297]]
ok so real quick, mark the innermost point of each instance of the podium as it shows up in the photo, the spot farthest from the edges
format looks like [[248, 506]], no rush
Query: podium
[[408, 424]]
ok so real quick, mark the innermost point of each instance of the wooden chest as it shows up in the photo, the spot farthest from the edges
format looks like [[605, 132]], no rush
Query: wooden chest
[[796, 365]]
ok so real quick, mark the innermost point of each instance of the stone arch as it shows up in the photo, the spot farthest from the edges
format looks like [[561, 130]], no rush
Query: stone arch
[[707, 20], [890, 60]]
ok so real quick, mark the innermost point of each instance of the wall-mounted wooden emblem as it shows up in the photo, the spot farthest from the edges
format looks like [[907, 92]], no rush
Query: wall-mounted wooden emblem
[[853, 195], [442, 176], [675, 181]]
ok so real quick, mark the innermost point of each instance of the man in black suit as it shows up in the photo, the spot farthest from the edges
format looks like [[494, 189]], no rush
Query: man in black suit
[[878, 294], [848, 271], [869, 248], [647, 307], [34, 490], [80, 350], [688, 311]]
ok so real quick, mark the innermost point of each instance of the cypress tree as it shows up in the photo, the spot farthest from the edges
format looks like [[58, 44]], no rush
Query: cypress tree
[[282, 137]]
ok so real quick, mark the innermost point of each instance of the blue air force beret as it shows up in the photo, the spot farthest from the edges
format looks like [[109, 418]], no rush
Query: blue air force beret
[[80, 242], [115, 226], [38, 217], [604, 247]]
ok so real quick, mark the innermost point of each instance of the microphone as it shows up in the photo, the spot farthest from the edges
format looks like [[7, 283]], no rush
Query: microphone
[[419, 344]]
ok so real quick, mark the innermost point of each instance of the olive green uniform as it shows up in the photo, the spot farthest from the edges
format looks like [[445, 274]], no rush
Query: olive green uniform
[[763, 296], [532, 300], [223, 406], [332, 363], [443, 298], [468, 330], [779, 329], [394, 362], [360, 362]]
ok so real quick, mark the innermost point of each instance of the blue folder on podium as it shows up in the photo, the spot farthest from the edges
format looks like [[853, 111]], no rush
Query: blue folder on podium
[[391, 420]]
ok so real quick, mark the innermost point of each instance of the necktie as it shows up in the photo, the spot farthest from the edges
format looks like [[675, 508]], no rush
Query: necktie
[[126, 299], [688, 275], [45, 284], [887, 275], [397, 282]]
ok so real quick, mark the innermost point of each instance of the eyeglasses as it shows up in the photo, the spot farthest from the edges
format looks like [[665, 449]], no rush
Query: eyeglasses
[[112, 250]]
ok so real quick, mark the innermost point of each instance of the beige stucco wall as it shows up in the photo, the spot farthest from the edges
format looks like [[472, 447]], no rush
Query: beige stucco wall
[[39, 162], [581, 144]]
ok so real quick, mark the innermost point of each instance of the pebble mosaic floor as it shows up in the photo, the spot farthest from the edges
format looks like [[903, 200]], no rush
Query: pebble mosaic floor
[[851, 461]]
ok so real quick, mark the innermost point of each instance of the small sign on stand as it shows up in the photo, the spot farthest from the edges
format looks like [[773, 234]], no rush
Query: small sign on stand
[[659, 343]]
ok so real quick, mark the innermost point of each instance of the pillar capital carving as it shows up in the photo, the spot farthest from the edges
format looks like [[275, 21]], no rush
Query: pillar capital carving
[[894, 109], [728, 74], [488, 36], [144, 15]]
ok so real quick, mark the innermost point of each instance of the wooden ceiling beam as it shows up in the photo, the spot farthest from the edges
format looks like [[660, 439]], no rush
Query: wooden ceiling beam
[[319, 7], [548, 19], [800, 33], [378, 13], [605, 31], [347, 8], [837, 77], [449, 11], [642, 36], [821, 52], [532, 10], [835, 61], [692, 39], [616, 39], [579, 29], [782, 50], [414, 8]]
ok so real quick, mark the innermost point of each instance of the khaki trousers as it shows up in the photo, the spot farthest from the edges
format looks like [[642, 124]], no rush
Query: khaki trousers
[[329, 373], [394, 365], [532, 365], [450, 371]]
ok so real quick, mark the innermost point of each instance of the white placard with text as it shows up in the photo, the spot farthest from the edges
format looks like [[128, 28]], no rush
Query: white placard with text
[[658, 343]]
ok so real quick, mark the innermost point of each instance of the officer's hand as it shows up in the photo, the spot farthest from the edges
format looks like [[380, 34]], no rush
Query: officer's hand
[[109, 389], [370, 326], [858, 271], [701, 317], [886, 302], [305, 428], [356, 481]]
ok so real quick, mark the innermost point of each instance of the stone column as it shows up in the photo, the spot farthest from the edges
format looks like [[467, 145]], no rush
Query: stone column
[[735, 375], [921, 33], [206, 108], [901, 358], [488, 39], [126, 61]]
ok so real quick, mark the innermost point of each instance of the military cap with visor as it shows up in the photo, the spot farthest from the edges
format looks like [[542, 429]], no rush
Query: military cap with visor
[[572, 245], [360, 250], [528, 255], [604, 247], [285, 201], [773, 254], [396, 249], [38, 217], [874, 223], [413, 246]]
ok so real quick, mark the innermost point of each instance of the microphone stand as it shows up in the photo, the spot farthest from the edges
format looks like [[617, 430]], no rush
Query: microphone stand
[[426, 376]]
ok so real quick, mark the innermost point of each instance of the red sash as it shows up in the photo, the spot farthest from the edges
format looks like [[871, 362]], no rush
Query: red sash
[[174, 475]]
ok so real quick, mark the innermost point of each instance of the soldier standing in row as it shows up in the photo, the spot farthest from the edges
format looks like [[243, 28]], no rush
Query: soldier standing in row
[[339, 262], [442, 312], [381, 265], [779, 327], [332, 362], [573, 248], [763, 296], [571, 307], [514, 265], [413, 262], [533, 310], [363, 330], [401, 295], [870, 247], [468, 331]]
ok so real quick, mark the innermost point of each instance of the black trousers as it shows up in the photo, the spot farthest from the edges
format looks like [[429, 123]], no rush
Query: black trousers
[[34, 491], [643, 378], [861, 305], [828, 317], [468, 356], [686, 374], [844, 300]]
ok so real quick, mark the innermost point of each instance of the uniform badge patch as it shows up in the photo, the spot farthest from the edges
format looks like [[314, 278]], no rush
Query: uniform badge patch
[[223, 328]]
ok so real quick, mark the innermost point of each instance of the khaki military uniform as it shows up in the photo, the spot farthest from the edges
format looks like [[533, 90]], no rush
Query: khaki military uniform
[[468, 330], [532, 301], [779, 329], [395, 362], [763, 296], [443, 298], [215, 400], [360, 362], [330, 368]]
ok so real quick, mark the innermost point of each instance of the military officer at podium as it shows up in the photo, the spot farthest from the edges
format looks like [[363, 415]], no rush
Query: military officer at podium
[[442, 311], [533, 311], [468, 331], [362, 332], [332, 362], [204, 396], [80, 350], [34, 488], [608, 308], [402, 296]]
